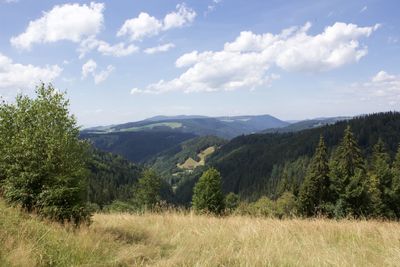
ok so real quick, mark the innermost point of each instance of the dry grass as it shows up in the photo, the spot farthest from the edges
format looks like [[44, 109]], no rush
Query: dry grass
[[173, 239]]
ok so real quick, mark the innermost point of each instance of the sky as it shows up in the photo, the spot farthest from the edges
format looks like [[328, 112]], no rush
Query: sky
[[122, 61]]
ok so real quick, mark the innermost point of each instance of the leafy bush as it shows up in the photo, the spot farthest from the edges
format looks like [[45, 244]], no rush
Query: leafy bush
[[231, 202], [42, 160], [207, 193], [147, 191]]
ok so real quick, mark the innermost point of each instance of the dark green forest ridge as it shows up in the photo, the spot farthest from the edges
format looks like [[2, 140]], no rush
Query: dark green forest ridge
[[269, 164], [255, 165]]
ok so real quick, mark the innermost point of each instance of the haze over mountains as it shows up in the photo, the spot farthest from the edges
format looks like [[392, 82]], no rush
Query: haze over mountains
[[225, 127], [255, 154], [141, 141]]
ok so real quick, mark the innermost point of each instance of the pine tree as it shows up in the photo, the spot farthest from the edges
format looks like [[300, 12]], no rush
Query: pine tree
[[395, 190], [348, 178], [314, 192], [381, 177], [207, 193]]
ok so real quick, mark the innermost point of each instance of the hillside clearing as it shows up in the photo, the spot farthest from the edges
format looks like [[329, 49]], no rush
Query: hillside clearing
[[191, 164], [173, 239]]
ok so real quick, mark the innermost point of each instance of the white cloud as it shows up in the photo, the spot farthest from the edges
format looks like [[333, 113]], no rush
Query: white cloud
[[11, 1], [159, 49], [71, 22], [181, 17], [90, 68], [145, 25], [117, 50], [383, 86], [244, 63], [19, 76], [383, 76], [142, 26], [136, 91], [103, 75], [363, 9], [211, 7]]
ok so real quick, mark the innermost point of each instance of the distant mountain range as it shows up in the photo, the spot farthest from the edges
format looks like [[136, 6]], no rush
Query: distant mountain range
[[143, 140], [224, 127]]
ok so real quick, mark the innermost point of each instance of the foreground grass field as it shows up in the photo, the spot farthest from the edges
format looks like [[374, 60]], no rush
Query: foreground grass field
[[173, 239]]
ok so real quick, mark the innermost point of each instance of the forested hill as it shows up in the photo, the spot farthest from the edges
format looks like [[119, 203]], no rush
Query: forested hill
[[136, 146], [224, 127], [255, 164]]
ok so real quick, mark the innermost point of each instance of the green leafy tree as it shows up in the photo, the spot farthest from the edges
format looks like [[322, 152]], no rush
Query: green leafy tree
[[147, 190], [231, 201], [42, 160], [286, 206], [349, 178], [207, 193], [314, 192]]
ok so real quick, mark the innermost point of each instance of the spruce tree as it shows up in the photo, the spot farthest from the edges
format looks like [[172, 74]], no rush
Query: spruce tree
[[349, 178], [381, 177], [395, 190], [207, 193], [314, 193]]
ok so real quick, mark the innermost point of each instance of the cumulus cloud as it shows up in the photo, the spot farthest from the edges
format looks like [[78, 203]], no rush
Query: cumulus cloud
[[71, 22], [182, 16], [19, 76], [381, 86], [159, 49], [90, 68], [145, 25], [117, 50], [244, 63]]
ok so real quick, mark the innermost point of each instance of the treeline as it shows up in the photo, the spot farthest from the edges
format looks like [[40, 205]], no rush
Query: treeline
[[338, 184], [346, 184], [255, 165]]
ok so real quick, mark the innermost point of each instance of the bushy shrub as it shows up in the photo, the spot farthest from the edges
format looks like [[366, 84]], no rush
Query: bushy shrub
[[42, 160], [207, 193], [231, 202]]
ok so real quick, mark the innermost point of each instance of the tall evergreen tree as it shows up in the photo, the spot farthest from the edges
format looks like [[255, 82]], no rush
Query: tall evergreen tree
[[381, 177], [395, 191], [207, 193], [314, 192], [349, 178]]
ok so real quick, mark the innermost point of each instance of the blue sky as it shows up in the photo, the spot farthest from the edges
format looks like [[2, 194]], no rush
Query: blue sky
[[127, 60]]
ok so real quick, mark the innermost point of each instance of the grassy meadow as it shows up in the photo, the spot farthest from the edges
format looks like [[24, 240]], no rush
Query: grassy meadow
[[177, 239]]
